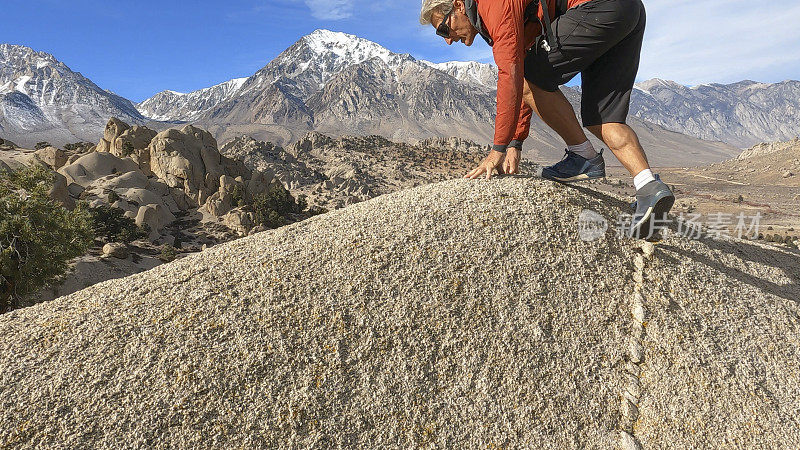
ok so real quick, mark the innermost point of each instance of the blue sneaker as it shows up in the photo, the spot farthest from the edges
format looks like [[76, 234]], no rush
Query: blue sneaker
[[575, 167], [653, 202], [634, 203]]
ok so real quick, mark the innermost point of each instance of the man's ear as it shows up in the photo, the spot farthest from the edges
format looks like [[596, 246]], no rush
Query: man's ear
[[458, 5]]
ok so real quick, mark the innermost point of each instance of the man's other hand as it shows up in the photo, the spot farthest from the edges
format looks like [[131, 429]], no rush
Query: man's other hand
[[493, 161], [511, 162]]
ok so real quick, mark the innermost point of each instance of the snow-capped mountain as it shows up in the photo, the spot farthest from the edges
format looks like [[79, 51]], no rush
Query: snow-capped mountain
[[42, 99], [338, 84], [299, 72], [741, 114], [469, 72], [172, 106]]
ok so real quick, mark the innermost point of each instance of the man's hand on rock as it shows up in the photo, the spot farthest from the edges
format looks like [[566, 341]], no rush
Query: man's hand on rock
[[491, 162], [511, 162]]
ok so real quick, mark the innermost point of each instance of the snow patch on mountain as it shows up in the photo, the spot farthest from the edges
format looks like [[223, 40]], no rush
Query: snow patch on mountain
[[347, 46], [469, 72], [21, 81]]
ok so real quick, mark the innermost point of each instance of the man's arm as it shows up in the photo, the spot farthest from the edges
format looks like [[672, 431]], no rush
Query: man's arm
[[523, 126], [504, 21]]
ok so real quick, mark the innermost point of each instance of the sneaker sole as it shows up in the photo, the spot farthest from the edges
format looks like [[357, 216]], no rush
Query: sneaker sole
[[581, 177], [659, 210]]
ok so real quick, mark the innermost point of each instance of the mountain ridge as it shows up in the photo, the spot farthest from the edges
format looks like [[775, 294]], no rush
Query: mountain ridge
[[291, 95]]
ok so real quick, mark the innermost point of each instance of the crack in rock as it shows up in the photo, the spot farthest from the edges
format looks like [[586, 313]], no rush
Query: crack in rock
[[632, 390]]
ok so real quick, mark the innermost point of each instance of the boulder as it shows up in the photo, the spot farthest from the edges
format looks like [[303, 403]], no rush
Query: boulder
[[137, 137], [123, 140], [116, 250], [186, 158], [226, 183], [219, 204], [75, 189], [53, 157], [180, 199], [149, 215], [239, 221], [92, 166], [113, 129], [385, 325]]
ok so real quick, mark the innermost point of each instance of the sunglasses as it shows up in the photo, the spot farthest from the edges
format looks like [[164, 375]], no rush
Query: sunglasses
[[443, 29]]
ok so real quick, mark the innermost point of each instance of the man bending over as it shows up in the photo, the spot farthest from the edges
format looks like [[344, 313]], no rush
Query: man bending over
[[536, 50]]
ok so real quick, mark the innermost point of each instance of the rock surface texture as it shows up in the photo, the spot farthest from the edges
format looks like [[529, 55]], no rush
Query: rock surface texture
[[460, 314]]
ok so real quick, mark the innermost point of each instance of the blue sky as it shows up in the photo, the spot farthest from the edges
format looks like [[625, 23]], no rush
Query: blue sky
[[139, 48]]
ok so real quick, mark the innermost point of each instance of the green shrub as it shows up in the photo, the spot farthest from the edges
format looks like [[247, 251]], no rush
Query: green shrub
[[110, 223], [302, 202], [270, 208], [41, 145], [112, 197], [127, 148], [237, 196], [168, 253], [38, 236], [178, 240], [77, 146]]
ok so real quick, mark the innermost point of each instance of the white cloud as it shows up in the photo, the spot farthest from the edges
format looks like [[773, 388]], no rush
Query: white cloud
[[700, 41], [330, 9]]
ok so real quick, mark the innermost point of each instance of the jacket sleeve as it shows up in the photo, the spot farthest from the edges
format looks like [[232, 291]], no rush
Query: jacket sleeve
[[523, 126], [504, 20]]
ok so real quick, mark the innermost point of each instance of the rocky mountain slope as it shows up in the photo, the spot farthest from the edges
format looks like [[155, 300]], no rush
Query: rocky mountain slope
[[741, 114], [341, 84], [177, 106], [449, 315], [469, 71], [41, 99]]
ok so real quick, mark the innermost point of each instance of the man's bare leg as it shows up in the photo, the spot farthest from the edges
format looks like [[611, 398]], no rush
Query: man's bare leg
[[556, 111], [622, 140]]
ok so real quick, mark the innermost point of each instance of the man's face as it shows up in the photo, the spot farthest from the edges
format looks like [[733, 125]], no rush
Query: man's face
[[460, 27]]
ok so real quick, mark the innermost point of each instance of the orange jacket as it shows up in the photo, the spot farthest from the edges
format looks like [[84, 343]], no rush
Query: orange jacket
[[505, 22]]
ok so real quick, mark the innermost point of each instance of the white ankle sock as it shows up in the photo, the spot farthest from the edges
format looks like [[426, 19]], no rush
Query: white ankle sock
[[586, 149], [643, 178]]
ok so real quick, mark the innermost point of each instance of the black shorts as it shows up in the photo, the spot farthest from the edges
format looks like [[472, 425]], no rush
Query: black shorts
[[601, 40]]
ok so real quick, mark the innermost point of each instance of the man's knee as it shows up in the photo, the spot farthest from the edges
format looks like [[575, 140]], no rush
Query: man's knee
[[596, 130], [615, 135]]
